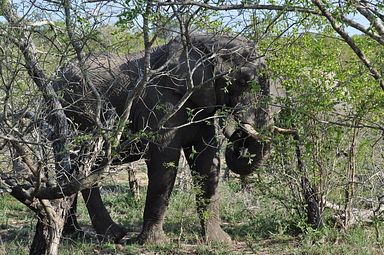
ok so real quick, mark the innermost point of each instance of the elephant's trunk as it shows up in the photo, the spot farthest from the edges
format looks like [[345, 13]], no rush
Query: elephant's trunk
[[246, 150]]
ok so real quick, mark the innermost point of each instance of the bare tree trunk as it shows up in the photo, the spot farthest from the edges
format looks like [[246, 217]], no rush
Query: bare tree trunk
[[309, 193], [350, 180], [133, 182], [50, 226], [47, 237], [311, 200], [310, 197], [53, 213], [183, 178]]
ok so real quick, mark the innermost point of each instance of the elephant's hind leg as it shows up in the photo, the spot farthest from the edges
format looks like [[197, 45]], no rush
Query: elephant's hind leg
[[71, 225], [205, 164], [105, 227]]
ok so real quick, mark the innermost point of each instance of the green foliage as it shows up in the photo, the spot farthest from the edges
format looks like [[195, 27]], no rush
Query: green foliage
[[255, 86], [170, 165], [2, 6], [323, 72], [330, 99], [133, 9], [16, 226], [254, 220], [193, 153], [358, 240], [81, 138]]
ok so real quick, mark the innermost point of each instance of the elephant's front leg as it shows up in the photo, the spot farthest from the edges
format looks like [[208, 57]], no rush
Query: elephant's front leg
[[205, 165], [162, 168]]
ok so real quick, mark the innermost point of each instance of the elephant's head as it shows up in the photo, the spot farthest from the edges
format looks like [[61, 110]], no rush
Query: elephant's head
[[227, 72], [246, 88]]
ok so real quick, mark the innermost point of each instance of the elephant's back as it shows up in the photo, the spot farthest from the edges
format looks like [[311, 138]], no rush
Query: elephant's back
[[112, 75]]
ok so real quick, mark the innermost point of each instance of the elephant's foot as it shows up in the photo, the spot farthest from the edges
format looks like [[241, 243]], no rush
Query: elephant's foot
[[113, 233], [73, 231], [72, 227], [210, 222], [213, 233], [152, 233]]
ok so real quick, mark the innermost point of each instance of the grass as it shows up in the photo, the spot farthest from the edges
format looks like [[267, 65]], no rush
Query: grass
[[257, 224]]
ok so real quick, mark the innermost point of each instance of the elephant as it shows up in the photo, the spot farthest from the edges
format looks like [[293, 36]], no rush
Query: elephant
[[199, 76]]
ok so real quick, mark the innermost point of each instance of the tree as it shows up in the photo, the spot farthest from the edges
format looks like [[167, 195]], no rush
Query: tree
[[34, 133]]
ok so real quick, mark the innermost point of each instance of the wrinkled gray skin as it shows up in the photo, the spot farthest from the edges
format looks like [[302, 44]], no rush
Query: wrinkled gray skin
[[224, 68]]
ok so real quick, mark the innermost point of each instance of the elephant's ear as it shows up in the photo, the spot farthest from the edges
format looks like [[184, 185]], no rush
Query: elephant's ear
[[205, 96], [203, 68]]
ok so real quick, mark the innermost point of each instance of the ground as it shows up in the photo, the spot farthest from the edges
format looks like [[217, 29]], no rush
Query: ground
[[257, 224]]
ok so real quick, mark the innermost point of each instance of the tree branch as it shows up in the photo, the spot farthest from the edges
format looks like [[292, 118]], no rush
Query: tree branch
[[349, 41], [75, 42], [362, 29], [58, 118], [141, 82], [242, 6], [372, 19]]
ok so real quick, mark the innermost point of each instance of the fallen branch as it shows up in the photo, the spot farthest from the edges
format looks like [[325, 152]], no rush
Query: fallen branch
[[358, 215]]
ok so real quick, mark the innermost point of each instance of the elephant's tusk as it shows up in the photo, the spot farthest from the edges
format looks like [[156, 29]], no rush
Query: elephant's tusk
[[257, 136], [230, 127], [254, 134], [284, 131]]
